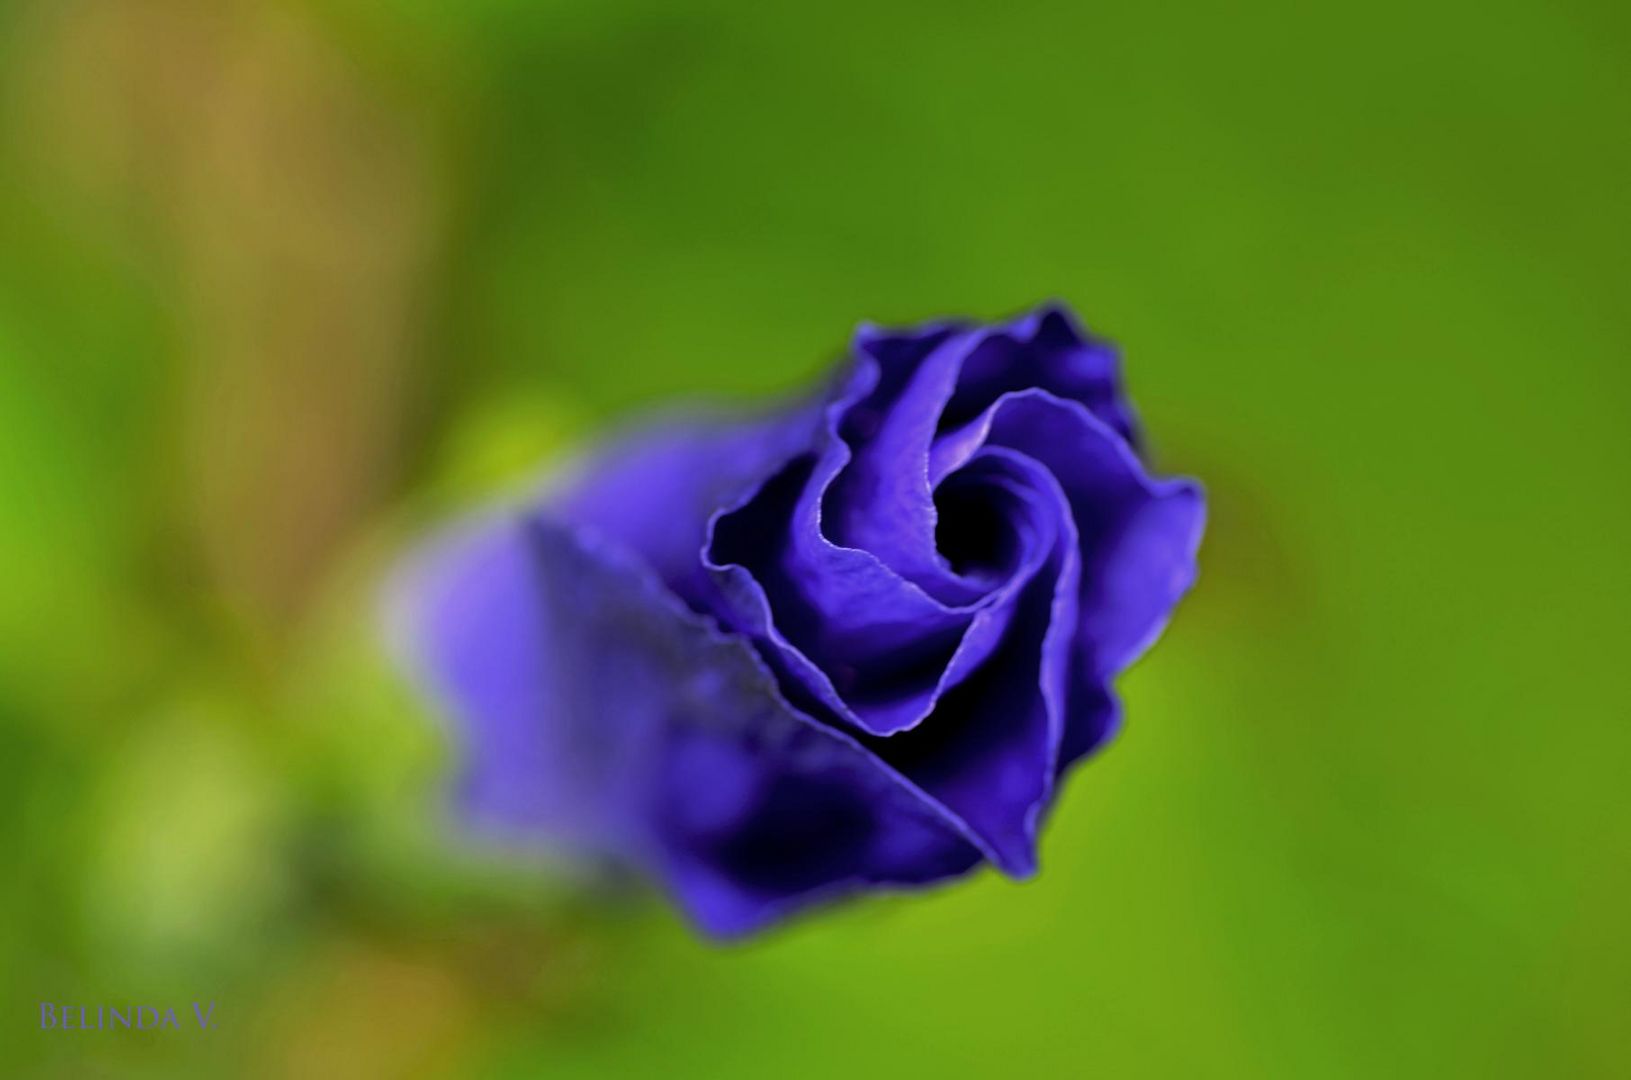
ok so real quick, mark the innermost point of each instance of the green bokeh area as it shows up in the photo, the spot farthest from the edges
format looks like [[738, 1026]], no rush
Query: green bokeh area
[[282, 286]]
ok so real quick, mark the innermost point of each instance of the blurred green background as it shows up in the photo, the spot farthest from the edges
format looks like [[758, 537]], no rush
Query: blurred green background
[[281, 285]]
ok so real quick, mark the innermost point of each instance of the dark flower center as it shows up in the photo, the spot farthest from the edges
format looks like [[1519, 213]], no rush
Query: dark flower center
[[971, 531]]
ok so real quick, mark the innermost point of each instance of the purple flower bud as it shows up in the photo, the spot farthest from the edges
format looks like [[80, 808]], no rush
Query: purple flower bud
[[854, 643]]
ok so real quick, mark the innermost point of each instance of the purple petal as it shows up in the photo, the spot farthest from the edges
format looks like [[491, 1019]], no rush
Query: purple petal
[[654, 489], [991, 750], [881, 501], [1140, 536], [486, 634], [1045, 350], [600, 710]]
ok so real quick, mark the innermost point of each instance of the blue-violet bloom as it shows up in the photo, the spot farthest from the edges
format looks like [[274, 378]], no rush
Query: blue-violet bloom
[[853, 643]]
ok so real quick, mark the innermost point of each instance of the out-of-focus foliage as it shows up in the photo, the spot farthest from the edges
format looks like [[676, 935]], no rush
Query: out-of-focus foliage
[[281, 284]]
